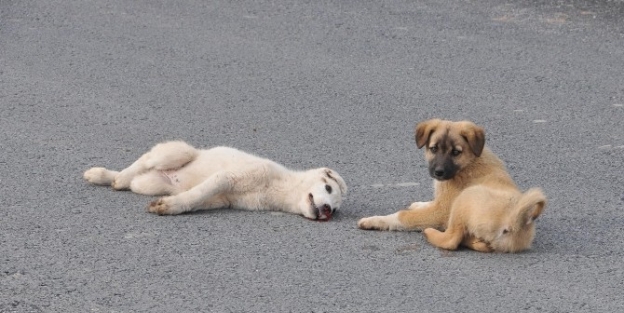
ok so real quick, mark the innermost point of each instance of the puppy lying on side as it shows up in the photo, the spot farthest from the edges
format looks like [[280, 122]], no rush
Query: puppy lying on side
[[475, 199], [224, 177]]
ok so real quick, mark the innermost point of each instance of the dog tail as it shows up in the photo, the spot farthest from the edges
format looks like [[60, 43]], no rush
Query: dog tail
[[529, 206]]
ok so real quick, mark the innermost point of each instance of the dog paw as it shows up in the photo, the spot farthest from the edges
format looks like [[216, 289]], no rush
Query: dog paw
[[160, 207], [481, 246], [95, 175], [442, 240], [430, 233], [373, 223], [165, 206]]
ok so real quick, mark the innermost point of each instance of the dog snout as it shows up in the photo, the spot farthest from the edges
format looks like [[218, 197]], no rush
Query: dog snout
[[443, 171], [324, 212], [439, 173]]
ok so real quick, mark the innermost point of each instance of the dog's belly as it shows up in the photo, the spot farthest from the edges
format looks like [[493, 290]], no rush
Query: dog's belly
[[181, 179], [171, 177]]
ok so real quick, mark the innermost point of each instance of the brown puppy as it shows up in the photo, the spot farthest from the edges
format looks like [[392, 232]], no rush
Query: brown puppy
[[475, 199]]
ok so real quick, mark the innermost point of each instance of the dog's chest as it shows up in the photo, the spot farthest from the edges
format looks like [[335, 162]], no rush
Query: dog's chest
[[247, 200]]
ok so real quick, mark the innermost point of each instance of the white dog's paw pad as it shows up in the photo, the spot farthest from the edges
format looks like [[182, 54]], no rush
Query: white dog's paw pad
[[159, 207]]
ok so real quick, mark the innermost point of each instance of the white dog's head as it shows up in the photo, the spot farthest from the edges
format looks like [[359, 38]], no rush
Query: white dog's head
[[324, 190]]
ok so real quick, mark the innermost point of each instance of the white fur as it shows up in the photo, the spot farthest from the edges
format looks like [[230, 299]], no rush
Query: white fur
[[382, 222], [223, 177]]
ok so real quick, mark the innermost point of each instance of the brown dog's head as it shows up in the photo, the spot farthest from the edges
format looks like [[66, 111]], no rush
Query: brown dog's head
[[450, 146]]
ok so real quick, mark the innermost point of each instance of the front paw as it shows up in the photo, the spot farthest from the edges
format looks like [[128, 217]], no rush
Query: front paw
[[430, 233], [373, 223], [163, 206]]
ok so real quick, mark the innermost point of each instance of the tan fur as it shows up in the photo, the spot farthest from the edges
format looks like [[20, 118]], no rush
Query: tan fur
[[479, 207], [223, 177]]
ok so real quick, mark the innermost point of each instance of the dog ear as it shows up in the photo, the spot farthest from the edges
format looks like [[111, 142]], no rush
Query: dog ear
[[475, 136], [335, 177], [424, 131], [530, 206]]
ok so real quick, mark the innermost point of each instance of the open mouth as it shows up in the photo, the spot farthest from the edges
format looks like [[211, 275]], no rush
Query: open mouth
[[323, 213]]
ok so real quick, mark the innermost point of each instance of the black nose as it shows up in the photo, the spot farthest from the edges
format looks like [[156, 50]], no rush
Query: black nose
[[438, 173]]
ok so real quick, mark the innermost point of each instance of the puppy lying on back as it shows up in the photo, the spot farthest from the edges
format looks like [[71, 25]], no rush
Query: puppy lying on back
[[476, 202]]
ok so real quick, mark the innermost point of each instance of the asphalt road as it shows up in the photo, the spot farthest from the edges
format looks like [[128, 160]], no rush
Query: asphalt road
[[308, 84]]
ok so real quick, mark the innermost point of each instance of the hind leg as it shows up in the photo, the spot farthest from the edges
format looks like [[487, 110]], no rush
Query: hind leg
[[451, 237], [152, 183], [448, 239], [124, 178], [119, 180], [163, 156]]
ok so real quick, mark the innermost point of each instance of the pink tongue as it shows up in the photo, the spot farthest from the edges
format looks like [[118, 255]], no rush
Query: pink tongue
[[327, 214], [323, 220]]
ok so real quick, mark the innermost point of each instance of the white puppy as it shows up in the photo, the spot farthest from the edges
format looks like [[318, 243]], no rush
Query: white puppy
[[224, 177]]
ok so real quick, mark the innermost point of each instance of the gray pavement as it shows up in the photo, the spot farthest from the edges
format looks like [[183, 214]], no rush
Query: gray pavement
[[308, 84]]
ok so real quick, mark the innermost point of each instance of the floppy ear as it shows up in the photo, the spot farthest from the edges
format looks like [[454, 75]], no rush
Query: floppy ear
[[335, 177], [530, 206], [475, 136], [424, 130]]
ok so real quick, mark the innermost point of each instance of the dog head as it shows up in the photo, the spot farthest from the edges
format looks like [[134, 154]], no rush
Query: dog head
[[324, 190], [517, 230], [450, 146]]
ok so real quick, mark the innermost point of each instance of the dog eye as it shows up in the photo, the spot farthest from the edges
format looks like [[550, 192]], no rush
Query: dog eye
[[505, 231], [434, 149], [455, 152], [328, 188]]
